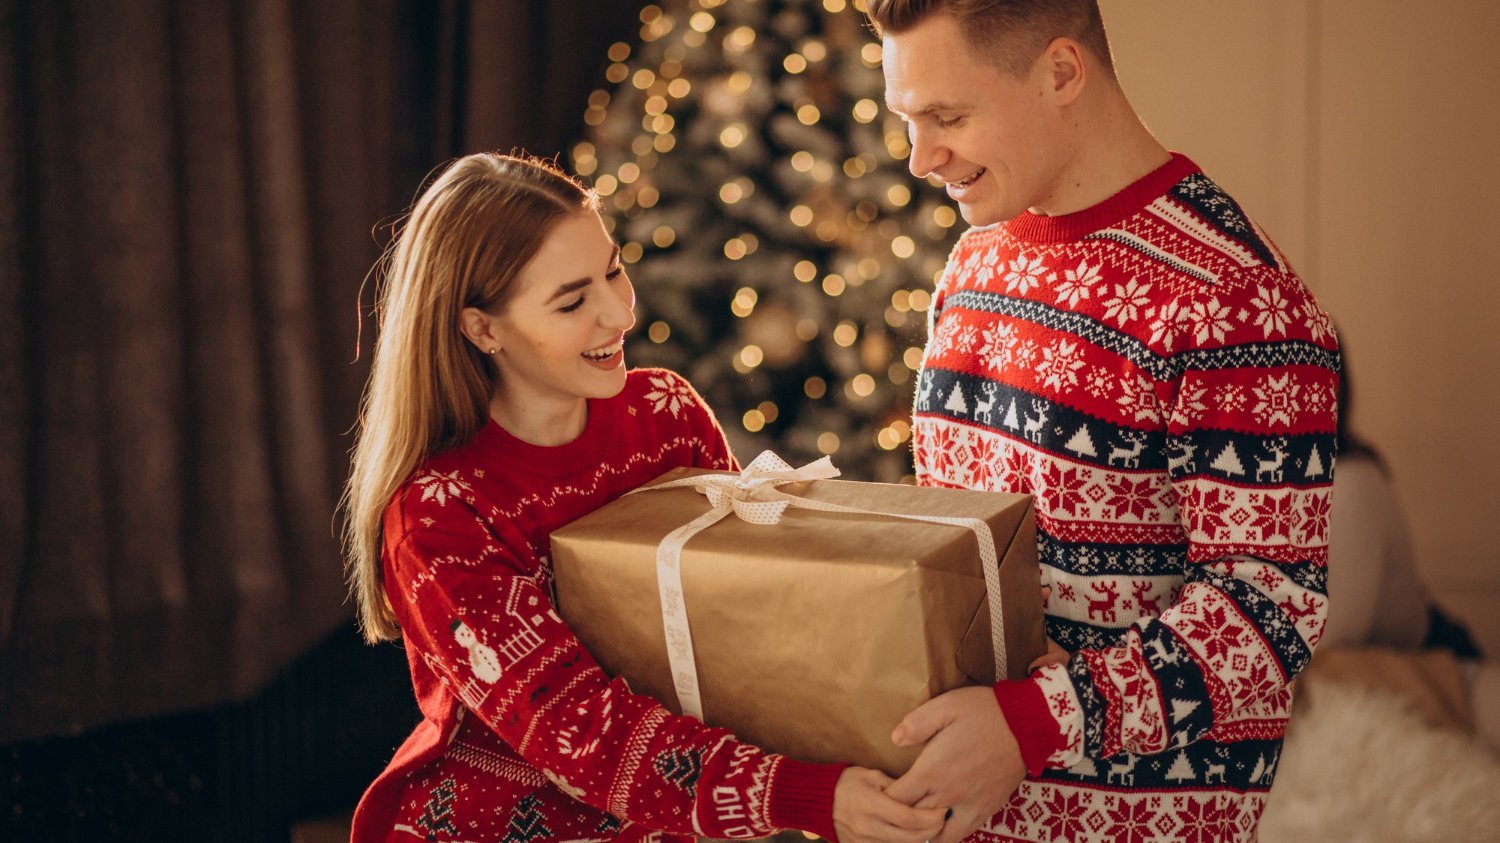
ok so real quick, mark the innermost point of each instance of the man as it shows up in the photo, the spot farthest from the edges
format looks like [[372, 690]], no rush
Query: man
[[1117, 338]]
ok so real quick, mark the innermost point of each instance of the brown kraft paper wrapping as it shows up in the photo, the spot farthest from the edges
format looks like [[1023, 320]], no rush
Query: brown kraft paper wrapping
[[815, 636]]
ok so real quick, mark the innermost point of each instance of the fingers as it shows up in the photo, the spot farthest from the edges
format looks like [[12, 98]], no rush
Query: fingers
[[1055, 655], [865, 813], [920, 725], [963, 823]]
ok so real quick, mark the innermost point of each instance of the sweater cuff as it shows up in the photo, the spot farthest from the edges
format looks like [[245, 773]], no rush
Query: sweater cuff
[[802, 797], [1024, 707]]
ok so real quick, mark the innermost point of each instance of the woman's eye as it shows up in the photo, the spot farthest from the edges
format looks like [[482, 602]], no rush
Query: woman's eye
[[569, 308], [615, 273]]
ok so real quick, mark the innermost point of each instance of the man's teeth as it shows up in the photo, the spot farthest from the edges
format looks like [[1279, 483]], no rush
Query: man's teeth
[[965, 182], [603, 353]]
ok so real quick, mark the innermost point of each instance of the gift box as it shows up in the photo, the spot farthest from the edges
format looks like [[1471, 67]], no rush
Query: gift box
[[814, 632]]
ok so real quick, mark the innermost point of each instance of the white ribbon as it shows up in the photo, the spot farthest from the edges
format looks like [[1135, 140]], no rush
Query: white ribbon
[[753, 497]]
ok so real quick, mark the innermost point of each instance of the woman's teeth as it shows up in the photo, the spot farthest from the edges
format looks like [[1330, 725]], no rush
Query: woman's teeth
[[604, 352]]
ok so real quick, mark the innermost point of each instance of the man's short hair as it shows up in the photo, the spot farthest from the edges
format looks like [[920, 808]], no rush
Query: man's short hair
[[1012, 32]]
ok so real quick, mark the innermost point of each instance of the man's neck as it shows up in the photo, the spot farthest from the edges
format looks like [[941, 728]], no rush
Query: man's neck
[[1113, 150]]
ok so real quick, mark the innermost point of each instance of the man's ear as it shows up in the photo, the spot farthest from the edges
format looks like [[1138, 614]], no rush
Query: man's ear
[[1065, 68], [481, 329]]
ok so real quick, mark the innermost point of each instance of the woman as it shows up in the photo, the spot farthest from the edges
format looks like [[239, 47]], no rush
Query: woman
[[498, 409]]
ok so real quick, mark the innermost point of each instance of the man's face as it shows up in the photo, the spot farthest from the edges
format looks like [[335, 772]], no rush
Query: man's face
[[994, 139]]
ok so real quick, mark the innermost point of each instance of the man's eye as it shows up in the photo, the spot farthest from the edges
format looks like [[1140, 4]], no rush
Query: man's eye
[[574, 306], [947, 124]]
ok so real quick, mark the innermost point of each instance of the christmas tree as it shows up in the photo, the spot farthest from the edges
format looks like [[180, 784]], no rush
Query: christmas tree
[[782, 253]]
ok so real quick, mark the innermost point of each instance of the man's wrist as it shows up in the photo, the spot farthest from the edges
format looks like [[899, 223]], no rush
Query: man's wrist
[[1037, 733]]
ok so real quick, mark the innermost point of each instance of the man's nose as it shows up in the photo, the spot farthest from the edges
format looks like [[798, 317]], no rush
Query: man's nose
[[926, 153]]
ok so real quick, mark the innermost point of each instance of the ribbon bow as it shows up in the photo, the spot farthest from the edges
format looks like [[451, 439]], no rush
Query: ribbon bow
[[753, 497]]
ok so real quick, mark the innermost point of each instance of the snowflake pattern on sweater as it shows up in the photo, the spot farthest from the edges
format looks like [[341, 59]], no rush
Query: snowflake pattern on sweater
[[1156, 375], [524, 738]]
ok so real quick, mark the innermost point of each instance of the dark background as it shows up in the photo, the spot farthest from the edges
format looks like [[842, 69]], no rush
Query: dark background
[[191, 196]]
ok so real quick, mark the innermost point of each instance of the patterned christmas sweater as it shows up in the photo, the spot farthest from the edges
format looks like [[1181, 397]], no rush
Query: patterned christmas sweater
[[1155, 374], [524, 738]]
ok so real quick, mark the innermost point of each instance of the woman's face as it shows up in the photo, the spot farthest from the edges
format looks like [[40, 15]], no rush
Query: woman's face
[[563, 329]]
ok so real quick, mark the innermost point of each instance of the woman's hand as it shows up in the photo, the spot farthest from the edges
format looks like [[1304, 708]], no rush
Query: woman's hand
[[864, 813], [1055, 653]]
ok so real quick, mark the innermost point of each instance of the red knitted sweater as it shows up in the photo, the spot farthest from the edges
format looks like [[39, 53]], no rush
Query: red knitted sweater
[[524, 738]]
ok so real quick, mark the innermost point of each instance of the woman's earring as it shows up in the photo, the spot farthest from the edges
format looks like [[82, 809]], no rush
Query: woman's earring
[[494, 351]]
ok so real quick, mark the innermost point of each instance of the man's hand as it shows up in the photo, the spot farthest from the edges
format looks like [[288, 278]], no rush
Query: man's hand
[[864, 813], [971, 762]]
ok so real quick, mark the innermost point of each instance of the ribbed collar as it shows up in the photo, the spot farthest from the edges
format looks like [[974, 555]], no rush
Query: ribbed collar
[[589, 449], [1035, 228]]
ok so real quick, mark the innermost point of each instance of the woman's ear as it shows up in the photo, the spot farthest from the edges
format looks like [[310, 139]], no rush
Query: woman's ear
[[481, 329]]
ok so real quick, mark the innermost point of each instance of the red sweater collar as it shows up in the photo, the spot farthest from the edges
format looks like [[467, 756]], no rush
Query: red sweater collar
[[590, 448], [1140, 193]]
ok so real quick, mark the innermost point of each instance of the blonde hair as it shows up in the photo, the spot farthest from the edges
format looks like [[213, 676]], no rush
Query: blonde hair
[[468, 235], [1013, 32]]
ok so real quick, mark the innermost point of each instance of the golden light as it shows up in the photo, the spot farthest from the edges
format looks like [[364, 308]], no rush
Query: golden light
[[895, 318], [655, 104], [754, 420], [661, 124], [902, 428], [822, 172], [815, 387], [617, 73], [702, 22], [809, 114], [585, 166], [663, 236], [659, 332], [664, 143], [671, 68], [802, 161], [807, 329], [869, 268], [845, 333], [647, 197], [827, 231], [901, 300], [912, 357], [834, 6], [693, 39], [769, 410], [834, 285], [599, 98], [898, 195], [732, 136], [631, 252], [794, 63], [944, 216], [734, 248], [650, 13], [739, 82], [629, 172], [606, 185], [751, 242], [854, 167], [897, 145], [899, 374], [805, 271], [740, 39], [887, 439], [619, 51], [866, 110], [752, 355], [870, 54], [801, 216], [643, 78], [903, 247], [593, 116], [920, 300], [863, 385], [730, 193], [679, 88], [641, 145], [744, 302], [828, 442], [815, 51]]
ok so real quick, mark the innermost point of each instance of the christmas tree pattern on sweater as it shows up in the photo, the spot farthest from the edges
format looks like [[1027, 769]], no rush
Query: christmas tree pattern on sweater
[[1153, 371]]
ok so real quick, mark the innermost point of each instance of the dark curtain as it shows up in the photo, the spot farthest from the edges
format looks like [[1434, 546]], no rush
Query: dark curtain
[[191, 194]]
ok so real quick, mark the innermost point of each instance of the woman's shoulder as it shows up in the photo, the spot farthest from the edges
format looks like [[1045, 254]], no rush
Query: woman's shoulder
[[660, 392]]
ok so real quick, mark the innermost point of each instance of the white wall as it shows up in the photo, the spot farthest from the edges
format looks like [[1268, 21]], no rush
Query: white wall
[[1363, 135]]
